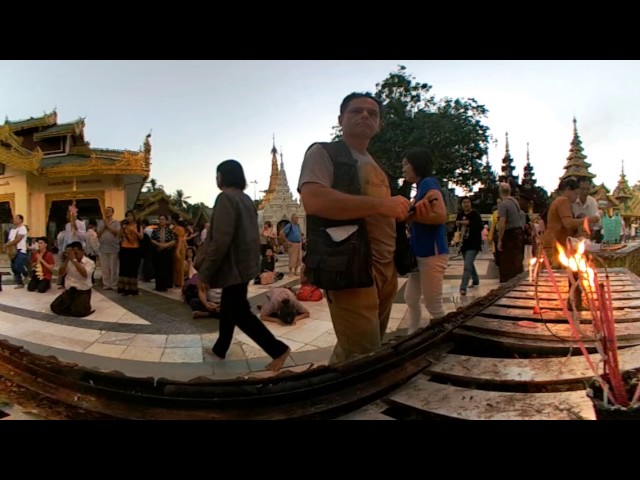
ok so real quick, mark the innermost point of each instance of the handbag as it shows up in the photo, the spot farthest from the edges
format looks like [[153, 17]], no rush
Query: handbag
[[12, 251], [341, 264], [309, 293], [403, 257]]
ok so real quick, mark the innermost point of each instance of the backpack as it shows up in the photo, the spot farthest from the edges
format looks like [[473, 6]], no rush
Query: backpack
[[309, 293]]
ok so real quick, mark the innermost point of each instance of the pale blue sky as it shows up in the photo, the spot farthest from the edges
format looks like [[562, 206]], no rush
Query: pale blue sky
[[204, 112]]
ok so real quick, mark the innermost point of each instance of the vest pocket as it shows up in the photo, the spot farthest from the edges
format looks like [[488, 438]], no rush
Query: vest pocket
[[338, 265]]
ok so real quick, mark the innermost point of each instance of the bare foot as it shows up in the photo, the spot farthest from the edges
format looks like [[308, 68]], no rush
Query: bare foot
[[197, 314], [277, 363]]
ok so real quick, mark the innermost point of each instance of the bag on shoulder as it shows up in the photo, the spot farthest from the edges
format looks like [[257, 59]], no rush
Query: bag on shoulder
[[338, 253], [339, 265], [12, 252], [309, 293], [403, 257]]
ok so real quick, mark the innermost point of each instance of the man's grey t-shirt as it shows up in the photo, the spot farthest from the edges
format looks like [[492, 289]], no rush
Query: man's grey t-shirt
[[318, 168], [508, 210], [109, 243]]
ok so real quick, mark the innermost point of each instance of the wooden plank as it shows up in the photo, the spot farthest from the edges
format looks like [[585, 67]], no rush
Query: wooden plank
[[555, 304], [529, 287], [565, 281], [621, 316], [372, 411], [615, 272], [633, 295], [468, 404], [530, 345], [541, 371], [538, 329]]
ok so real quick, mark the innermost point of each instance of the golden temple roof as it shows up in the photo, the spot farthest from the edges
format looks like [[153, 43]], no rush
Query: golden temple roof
[[45, 120], [71, 128], [80, 160]]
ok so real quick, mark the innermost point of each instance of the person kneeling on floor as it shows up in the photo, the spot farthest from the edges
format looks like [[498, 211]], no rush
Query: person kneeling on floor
[[75, 301], [282, 307], [207, 303], [42, 262]]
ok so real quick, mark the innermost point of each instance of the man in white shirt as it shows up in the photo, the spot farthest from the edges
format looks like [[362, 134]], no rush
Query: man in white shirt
[[74, 231], [587, 206], [92, 247], [109, 236], [203, 234], [18, 243], [75, 301]]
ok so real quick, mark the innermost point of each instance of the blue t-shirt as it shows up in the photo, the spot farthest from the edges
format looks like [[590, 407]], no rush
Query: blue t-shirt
[[292, 232], [428, 240]]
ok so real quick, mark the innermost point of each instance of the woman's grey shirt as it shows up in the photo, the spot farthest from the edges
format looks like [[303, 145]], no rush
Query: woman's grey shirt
[[233, 250]]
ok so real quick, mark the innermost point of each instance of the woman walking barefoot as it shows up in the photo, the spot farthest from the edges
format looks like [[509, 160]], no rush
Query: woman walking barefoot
[[232, 261]]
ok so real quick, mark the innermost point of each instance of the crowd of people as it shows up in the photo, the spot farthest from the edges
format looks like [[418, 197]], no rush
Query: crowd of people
[[352, 220]]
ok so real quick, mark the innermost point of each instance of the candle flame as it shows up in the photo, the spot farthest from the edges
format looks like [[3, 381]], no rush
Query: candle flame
[[585, 224], [578, 262]]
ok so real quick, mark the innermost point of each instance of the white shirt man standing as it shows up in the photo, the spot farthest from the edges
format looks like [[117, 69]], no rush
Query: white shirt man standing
[[18, 243], [204, 232], [74, 231], [587, 206], [109, 236]]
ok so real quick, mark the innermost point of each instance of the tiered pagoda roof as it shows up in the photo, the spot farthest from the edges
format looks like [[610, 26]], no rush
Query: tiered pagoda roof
[[278, 194], [508, 168], [623, 191], [22, 145], [528, 177], [576, 165], [273, 179]]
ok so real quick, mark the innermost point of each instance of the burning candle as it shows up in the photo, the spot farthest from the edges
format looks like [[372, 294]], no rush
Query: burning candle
[[532, 262]]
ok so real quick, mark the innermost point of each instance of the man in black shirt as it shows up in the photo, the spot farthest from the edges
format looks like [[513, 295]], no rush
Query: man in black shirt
[[470, 224]]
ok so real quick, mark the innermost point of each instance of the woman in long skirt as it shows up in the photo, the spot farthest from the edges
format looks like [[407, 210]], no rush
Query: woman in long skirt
[[132, 234]]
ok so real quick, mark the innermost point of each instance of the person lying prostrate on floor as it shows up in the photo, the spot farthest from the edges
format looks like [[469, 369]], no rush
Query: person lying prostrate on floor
[[282, 307]]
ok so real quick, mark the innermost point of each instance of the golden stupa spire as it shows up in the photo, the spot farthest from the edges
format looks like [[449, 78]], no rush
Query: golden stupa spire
[[273, 180]]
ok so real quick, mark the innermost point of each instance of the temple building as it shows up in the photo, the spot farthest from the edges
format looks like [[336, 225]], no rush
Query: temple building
[[623, 198], [576, 165], [507, 169], [45, 166], [278, 203], [532, 198], [152, 204]]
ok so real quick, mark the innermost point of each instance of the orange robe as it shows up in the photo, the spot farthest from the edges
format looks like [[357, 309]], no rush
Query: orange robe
[[179, 255]]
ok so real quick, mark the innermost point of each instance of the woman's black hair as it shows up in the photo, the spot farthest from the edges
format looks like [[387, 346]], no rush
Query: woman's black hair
[[570, 183], [232, 175], [286, 312], [421, 160]]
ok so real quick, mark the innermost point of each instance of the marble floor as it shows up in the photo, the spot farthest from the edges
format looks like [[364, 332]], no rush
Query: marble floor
[[153, 334]]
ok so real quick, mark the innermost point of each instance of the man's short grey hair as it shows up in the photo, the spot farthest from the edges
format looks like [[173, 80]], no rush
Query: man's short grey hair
[[504, 188]]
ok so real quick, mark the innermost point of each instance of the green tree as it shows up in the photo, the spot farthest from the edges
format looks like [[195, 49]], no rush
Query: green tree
[[152, 185], [180, 200], [412, 117]]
